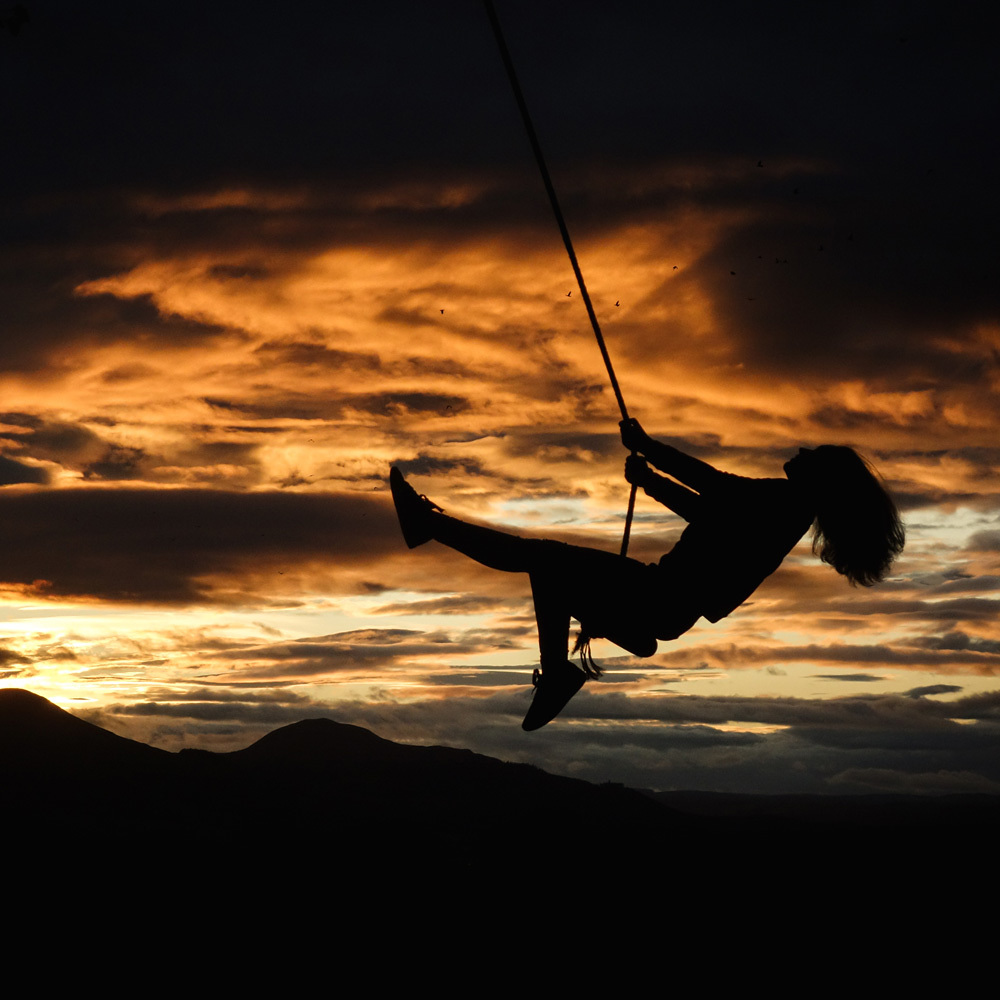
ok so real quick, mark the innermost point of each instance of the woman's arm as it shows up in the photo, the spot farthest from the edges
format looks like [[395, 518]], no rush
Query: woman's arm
[[692, 472], [682, 501]]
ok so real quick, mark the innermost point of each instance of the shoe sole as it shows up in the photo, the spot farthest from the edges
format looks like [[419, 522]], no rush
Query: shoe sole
[[541, 714]]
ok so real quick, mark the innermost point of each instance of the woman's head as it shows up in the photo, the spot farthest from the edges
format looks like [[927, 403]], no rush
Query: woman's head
[[858, 531]]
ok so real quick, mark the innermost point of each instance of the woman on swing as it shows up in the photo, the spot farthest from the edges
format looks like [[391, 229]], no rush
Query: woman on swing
[[739, 531]]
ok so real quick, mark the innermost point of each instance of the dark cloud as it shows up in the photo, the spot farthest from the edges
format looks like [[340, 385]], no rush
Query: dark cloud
[[130, 81], [481, 677], [464, 604], [396, 404], [8, 656], [984, 541], [312, 354], [857, 678], [13, 664], [276, 404], [362, 649], [967, 609], [958, 640], [117, 463], [247, 713], [931, 689], [985, 706], [46, 321], [12, 472], [69, 444], [911, 497], [968, 584], [223, 453], [903, 654], [883, 741], [160, 545], [190, 98], [428, 465], [873, 165], [128, 373], [75, 446], [270, 403], [859, 297]]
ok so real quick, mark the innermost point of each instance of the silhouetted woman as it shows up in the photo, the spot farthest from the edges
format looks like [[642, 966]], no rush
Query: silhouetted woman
[[739, 531]]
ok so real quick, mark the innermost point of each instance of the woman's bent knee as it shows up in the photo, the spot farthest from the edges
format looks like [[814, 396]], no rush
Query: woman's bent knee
[[638, 645], [637, 641]]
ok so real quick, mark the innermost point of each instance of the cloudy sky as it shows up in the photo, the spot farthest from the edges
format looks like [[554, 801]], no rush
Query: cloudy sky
[[250, 260]]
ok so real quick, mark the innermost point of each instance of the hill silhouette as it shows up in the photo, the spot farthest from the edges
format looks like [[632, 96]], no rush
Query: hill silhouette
[[35, 734], [315, 784], [444, 819]]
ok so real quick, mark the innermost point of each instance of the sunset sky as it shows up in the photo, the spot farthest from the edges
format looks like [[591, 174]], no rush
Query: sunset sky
[[251, 260]]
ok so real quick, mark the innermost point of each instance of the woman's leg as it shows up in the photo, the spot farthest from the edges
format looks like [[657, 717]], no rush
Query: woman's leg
[[552, 617], [559, 679], [567, 581], [590, 585], [495, 549]]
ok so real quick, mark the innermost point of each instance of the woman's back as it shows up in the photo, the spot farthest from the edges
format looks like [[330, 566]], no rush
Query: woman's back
[[742, 531]]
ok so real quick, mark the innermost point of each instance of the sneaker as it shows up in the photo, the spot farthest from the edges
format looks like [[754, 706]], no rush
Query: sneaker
[[554, 687], [411, 509]]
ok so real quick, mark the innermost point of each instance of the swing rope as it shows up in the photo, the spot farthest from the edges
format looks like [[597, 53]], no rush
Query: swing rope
[[560, 220]]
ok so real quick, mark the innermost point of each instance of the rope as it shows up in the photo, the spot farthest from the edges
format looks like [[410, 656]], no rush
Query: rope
[[567, 242]]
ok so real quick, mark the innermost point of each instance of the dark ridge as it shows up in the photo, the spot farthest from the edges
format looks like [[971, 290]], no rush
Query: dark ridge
[[34, 733], [316, 785], [321, 803], [972, 810], [311, 739]]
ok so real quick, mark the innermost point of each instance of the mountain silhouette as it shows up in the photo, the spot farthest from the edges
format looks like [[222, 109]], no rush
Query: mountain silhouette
[[441, 821], [313, 785], [35, 734]]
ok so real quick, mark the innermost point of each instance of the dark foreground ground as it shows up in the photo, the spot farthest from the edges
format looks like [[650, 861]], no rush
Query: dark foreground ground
[[324, 818]]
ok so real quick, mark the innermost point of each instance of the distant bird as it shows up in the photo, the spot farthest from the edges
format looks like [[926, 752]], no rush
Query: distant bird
[[618, 303], [442, 312], [568, 294], [759, 164], [675, 267], [732, 272]]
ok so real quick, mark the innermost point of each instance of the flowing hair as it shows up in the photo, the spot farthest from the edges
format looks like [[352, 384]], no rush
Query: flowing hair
[[857, 531]]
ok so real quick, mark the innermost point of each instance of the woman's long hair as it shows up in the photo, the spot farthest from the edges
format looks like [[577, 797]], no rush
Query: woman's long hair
[[858, 531]]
